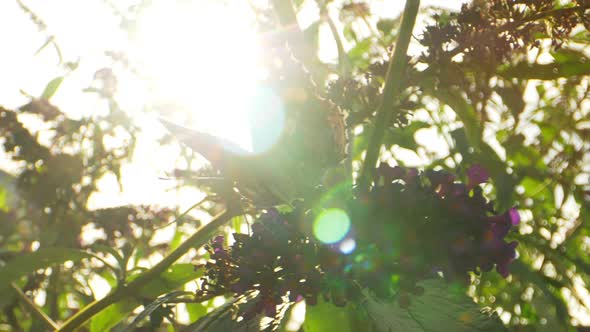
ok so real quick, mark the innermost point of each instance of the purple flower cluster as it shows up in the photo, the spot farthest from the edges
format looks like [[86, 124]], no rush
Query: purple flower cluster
[[446, 225], [408, 227], [276, 261]]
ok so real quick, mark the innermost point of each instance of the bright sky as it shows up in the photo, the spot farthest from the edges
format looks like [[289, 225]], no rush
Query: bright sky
[[187, 55]]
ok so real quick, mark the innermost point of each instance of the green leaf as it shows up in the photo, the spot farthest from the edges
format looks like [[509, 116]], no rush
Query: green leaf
[[103, 248], [512, 95], [24, 264], [298, 3], [171, 279], [112, 315], [554, 295], [442, 307], [325, 316], [222, 320], [174, 277], [465, 112], [404, 137], [550, 71], [359, 145], [581, 37], [3, 199], [52, 87], [236, 223], [196, 311], [150, 308], [176, 240], [349, 33], [358, 55], [505, 183], [386, 25], [567, 55], [311, 35]]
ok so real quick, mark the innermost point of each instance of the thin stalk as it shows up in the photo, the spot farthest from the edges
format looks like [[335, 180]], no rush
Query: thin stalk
[[183, 214], [391, 91], [34, 309], [532, 18], [343, 66], [288, 20], [196, 240], [302, 51]]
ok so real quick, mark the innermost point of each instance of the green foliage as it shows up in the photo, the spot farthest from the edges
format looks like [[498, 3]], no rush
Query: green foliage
[[505, 86], [220, 320], [442, 307], [174, 277], [111, 316], [152, 309], [3, 200], [52, 87], [24, 264], [324, 316]]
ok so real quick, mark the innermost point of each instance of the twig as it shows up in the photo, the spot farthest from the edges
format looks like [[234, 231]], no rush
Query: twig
[[391, 91], [34, 309], [182, 215], [343, 66], [511, 25], [296, 38], [196, 240]]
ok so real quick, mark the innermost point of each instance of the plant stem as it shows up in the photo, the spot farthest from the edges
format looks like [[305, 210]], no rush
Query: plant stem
[[391, 91], [183, 214], [302, 51], [288, 20], [34, 309], [532, 18], [196, 240], [343, 65]]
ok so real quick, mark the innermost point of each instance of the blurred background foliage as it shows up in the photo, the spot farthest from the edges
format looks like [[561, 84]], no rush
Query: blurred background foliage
[[504, 84]]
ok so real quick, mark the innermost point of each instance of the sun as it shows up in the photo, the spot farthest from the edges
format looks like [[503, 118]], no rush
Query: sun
[[201, 61]]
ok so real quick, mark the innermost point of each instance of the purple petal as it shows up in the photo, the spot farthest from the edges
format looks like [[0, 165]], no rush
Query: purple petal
[[476, 174], [508, 256], [514, 216], [502, 269], [391, 173], [440, 177], [270, 309], [458, 190], [411, 175], [272, 213]]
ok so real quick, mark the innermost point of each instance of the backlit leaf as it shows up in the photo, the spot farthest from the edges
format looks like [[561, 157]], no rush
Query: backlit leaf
[[26, 263]]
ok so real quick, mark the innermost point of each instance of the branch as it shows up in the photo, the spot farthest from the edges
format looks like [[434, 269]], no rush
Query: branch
[[34, 309], [538, 16], [298, 45], [343, 65], [196, 240], [391, 91], [288, 20]]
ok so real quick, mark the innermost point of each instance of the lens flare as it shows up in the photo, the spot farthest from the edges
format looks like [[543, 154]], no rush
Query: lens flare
[[267, 119], [347, 246], [331, 226]]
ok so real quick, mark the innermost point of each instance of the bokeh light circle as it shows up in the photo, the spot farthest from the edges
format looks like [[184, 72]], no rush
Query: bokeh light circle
[[347, 246], [331, 226]]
